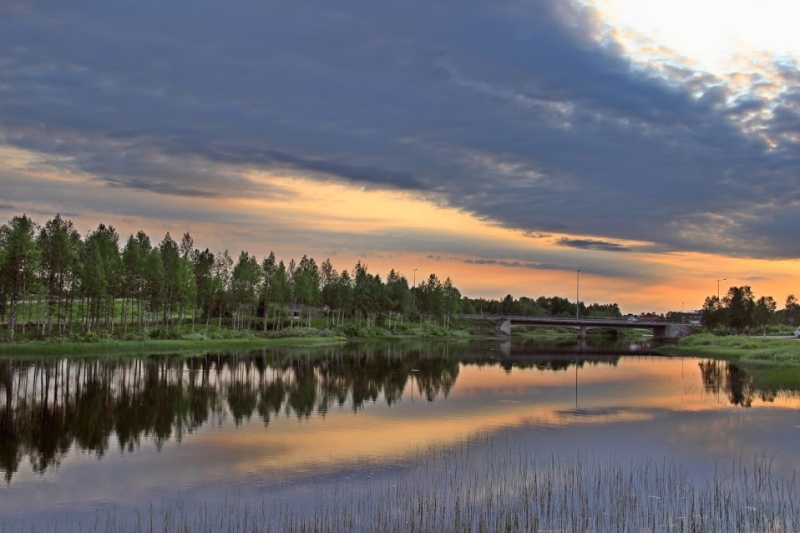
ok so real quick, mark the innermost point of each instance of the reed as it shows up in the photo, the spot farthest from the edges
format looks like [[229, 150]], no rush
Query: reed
[[486, 489]]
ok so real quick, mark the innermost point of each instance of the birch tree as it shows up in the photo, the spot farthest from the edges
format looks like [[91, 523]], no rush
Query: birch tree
[[19, 260]]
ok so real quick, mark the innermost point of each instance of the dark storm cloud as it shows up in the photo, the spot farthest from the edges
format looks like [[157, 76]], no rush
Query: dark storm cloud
[[524, 113], [158, 187], [589, 244], [358, 174]]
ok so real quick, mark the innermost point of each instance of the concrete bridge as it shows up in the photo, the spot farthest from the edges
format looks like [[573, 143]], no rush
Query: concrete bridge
[[662, 329]]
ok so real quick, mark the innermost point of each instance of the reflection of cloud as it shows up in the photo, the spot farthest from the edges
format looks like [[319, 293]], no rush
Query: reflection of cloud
[[375, 434]]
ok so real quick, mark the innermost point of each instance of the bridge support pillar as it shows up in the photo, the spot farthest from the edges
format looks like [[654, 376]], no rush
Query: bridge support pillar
[[504, 327], [582, 332], [505, 347]]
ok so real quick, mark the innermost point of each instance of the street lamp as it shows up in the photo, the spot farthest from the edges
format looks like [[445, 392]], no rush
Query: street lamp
[[578, 297], [414, 291], [718, 280]]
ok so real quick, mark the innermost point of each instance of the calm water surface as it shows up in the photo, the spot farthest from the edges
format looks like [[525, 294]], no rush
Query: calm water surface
[[79, 435]]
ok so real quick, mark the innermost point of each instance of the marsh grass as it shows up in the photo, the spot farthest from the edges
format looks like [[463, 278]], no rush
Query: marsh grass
[[740, 348], [493, 489], [773, 363]]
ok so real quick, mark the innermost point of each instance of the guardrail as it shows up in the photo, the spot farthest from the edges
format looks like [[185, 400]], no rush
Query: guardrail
[[572, 320]]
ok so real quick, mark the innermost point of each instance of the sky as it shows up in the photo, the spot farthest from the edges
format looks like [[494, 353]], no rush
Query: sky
[[506, 144]]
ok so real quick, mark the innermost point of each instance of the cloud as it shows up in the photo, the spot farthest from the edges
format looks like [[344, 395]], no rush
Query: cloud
[[518, 264], [158, 187], [589, 244], [523, 113]]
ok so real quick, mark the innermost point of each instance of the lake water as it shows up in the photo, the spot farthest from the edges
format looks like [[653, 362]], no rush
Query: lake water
[[293, 425]]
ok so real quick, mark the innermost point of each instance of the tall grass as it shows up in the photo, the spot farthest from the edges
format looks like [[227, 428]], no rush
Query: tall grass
[[773, 363], [495, 489]]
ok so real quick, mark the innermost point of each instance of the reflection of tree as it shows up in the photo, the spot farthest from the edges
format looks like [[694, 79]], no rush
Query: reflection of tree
[[242, 393], [435, 376], [270, 399], [548, 363], [302, 394], [48, 407], [711, 373], [736, 383], [739, 386]]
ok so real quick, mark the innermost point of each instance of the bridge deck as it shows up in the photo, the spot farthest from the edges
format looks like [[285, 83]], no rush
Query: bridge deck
[[597, 322]]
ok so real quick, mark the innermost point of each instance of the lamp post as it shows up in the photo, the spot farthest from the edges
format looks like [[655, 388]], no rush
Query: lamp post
[[414, 291], [682, 315], [718, 280], [578, 297]]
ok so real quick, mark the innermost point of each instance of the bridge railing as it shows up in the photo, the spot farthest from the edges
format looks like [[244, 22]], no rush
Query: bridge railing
[[571, 320]]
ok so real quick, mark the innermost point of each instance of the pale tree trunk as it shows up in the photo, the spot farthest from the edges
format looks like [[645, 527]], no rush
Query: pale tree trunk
[[125, 309], [24, 318], [111, 313], [12, 319], [38, 305]]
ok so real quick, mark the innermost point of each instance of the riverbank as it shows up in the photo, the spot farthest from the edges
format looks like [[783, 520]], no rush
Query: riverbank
[[153, 346], [185, 341], [773, 362]]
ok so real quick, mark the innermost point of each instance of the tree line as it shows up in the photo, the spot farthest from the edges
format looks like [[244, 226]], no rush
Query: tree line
[[739, 311], [53, 281], [56, 282], [542, 306]]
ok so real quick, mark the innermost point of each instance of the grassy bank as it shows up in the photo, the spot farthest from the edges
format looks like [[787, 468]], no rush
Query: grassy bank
[[183, 340], [152, 346], [773, 363]]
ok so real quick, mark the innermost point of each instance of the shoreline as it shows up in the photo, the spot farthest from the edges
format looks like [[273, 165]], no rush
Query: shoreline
[[152, 346], [772, 362]]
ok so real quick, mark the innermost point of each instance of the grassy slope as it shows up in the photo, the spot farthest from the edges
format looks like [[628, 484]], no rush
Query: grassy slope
[[773, 363], [188, 342], [119, 347]]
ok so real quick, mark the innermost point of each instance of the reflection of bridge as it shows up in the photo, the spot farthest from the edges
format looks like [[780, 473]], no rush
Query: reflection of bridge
[[662, 329]]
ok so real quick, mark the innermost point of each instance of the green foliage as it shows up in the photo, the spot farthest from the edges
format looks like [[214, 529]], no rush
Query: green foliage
[[19, 261], [739, 312], [542, 306]]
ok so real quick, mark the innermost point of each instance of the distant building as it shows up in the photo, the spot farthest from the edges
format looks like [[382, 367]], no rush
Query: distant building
[[301, 311], [693, 317]]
